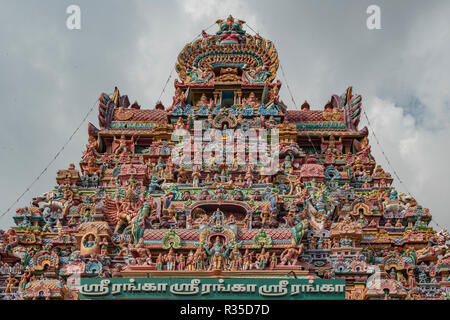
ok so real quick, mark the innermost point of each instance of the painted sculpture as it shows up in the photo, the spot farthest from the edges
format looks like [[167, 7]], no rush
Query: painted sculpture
[[327, 211]]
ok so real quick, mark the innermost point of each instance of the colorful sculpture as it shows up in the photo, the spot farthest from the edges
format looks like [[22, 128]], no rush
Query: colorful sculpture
[[326, 210]]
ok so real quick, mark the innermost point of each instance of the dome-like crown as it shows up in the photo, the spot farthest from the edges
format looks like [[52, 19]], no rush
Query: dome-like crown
[[252, 59]]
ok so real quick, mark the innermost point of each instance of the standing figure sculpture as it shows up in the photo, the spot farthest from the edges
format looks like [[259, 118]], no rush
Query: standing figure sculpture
[[218, 217], [217, 254], [262, 259], [199, 258]]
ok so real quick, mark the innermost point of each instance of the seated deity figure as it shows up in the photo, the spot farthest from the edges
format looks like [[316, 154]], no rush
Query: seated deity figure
[[251, 101], [222, 180], [358, 168], [331, 113], [273, 261], [230, 25], [399, 224], [286, 166], [170, 259], [236, 259], [203, 101], [332, 145], [230, 31]]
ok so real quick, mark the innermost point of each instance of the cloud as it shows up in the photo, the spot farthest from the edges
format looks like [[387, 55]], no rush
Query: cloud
[[417, 155]]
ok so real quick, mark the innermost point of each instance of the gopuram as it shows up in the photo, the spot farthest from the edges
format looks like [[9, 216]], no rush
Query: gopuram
[[148, 215]]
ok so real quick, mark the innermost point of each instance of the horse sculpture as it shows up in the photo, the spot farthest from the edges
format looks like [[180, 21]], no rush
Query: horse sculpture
[[48, 200]]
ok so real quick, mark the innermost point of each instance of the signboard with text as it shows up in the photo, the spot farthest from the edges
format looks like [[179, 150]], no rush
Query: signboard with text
[[212, 288]]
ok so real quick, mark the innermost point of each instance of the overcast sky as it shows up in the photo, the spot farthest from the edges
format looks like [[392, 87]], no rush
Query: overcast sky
[[50, 76]]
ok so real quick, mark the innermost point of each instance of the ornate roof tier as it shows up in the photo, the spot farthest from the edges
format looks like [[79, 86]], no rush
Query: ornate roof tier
[[231, 55]]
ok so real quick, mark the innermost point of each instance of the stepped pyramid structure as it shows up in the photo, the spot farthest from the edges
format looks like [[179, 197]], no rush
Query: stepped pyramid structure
[[151, 214]]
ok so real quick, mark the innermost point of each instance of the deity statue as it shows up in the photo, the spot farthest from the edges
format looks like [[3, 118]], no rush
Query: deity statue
[[223, 180], [332, 145], [180, 124], [122, 146], [26, 277], [262, 259], [286, 166], [170, 259], [363, 147], [91, 149], [190, 263], [266, 214], [172, 214], [247, 262], [274, 96], [126, 209], [249, 177], [11, 282], [290, 255], [203, 101], [159, 262], [217, 253], [199, 258], [181, 260], [230, 31], [158, 169], [182, 175], [236, 259], [252, 101], [196, 175], [178, 99], [331, 113], [273, 261], [90, 241]]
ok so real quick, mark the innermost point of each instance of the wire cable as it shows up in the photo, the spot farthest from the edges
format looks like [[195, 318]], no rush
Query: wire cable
[[51, 162]]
